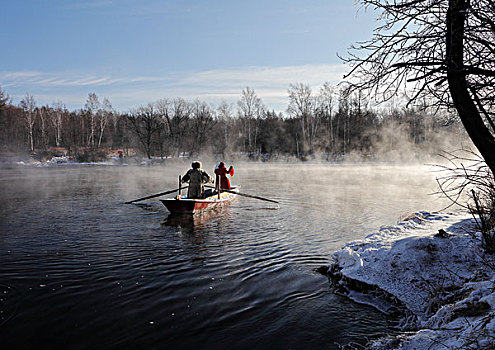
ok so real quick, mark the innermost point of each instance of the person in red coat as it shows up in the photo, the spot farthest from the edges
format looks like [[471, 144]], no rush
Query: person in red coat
[[222, 172]]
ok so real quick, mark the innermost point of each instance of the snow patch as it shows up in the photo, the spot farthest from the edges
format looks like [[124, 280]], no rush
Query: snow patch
[[445, 281]]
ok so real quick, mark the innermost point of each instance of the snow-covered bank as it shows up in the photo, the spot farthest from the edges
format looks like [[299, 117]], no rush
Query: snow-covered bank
[[62, 161], [442, 284]]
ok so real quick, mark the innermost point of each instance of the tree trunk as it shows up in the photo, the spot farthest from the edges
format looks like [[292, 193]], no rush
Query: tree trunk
[[458, 85], [31, 139], [92, 131], [58, 129]]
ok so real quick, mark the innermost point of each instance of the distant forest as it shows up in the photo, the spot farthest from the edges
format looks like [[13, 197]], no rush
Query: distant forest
[[325, 123]]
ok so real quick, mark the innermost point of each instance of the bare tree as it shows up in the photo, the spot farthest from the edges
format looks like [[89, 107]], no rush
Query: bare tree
[[145, 123], [302, 105], [343, 120], [439, 48], [325, 107], [28, 104], [42, 116], [4, 99], [3, 118], [250, 109], [163, 109], [56, 113], [105, 115], [180, 112], [203, 121], [93, 107], [224, 115]]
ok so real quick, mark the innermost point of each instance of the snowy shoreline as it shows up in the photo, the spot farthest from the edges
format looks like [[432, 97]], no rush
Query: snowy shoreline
[[441, 285]]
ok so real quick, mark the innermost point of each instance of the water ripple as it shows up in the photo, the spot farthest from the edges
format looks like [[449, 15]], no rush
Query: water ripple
[[102, 274]]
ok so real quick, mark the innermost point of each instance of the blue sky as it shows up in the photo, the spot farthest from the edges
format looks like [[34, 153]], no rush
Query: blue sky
[[135, 52]]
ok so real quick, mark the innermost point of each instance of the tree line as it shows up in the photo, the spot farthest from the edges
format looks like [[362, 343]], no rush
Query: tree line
[[325, 121]]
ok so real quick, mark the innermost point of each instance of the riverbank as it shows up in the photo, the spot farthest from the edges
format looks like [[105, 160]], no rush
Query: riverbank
[[431, 271], [130, 156]]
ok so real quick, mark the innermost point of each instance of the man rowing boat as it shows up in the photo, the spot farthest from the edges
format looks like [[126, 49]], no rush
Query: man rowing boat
[[196, 177]]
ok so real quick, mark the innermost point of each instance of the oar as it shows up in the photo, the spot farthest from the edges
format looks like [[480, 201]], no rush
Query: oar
[[155, 195], [246, 195]]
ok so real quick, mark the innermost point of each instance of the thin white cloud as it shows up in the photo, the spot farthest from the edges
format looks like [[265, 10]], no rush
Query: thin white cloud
[[270, 83], [269, 76], [35, 78], [19, 75]]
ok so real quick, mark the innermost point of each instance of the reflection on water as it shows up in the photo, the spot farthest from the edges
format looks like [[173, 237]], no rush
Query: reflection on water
[[79, 269], [197, 220]]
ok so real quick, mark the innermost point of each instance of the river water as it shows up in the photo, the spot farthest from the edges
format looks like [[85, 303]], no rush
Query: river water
[[79, 269]]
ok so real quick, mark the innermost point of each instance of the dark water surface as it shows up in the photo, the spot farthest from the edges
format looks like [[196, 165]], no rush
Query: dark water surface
[[79, 269]]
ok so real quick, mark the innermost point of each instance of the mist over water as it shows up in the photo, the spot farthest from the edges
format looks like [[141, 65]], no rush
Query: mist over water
[[80, 269]]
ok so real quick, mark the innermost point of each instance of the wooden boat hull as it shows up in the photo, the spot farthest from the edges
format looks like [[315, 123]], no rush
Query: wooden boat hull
[[192, 206]]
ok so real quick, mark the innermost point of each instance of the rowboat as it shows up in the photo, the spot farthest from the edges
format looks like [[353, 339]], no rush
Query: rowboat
[[183, 205]]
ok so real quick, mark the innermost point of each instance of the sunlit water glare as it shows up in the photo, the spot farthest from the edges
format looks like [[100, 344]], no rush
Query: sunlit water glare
[[79, 269]]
